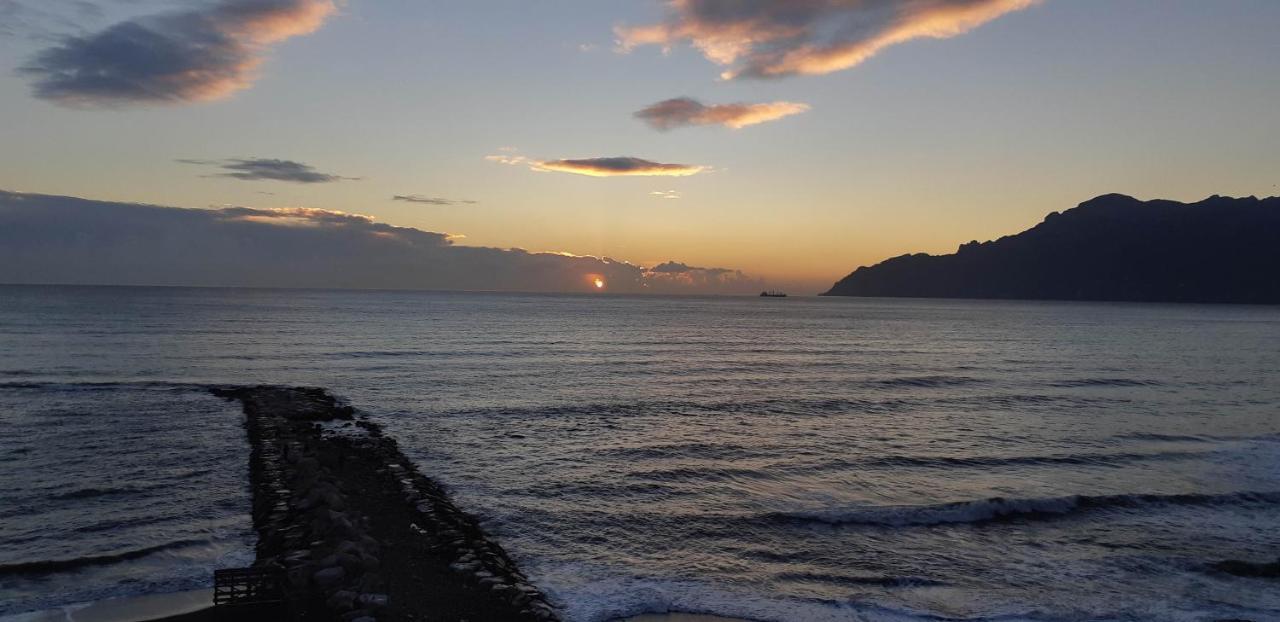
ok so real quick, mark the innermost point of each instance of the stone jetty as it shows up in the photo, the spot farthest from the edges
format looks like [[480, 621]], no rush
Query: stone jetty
[[356, 531]]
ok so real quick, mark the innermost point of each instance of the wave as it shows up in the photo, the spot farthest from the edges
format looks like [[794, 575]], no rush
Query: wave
[[997, 509], [843, 579], [725, 451], [608, 597], [1104, 382], [792, 406], [695, 473], [63, 565], [183, 515], [104, 386], [929, 381], [89, 493], [18, 372], [1171, 438], [999, 461], [1205, 438]]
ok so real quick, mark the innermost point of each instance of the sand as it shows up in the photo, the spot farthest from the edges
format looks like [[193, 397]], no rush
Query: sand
[[137, 609]]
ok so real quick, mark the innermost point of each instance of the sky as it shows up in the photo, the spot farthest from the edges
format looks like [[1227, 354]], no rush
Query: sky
[[778, 143]]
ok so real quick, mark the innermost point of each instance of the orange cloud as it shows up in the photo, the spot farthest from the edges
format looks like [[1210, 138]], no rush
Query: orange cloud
[[180, 57], [773, 38], [272, 21], [684, 111]]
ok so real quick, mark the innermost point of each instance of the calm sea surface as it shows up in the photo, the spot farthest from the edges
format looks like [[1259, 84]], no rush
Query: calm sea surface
[[775, 459]]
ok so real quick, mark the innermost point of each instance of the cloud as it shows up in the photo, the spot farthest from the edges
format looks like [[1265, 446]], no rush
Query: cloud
[[417, 198], [676, 274], [269, 169], [172, 58], [773, 38], [675, 267], [57, 239], [671, 267], [39, 20], [669, 195], [617, 167], [684, 111], [511, 160]]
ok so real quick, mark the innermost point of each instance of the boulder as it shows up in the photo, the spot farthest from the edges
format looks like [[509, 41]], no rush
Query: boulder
[[329, 576]]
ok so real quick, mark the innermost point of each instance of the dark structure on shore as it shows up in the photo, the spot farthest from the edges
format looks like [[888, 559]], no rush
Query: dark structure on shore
[[1113, 248], [353, 531]]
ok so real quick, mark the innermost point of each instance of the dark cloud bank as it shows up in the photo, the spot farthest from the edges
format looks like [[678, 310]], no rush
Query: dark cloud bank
[[55, 239]]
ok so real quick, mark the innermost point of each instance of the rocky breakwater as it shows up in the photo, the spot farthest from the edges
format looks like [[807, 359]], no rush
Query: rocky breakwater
[[358, 533]]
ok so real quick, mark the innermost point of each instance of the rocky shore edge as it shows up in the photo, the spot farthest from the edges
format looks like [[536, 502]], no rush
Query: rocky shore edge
[[358, 533]]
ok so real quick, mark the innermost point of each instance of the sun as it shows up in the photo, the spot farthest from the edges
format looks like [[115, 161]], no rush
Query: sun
[[599, 283]]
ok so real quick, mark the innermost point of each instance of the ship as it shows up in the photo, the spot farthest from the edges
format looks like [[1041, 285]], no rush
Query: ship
[[769, 293]]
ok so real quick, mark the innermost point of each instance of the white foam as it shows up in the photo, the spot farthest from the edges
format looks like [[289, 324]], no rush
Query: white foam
[[588, 593]]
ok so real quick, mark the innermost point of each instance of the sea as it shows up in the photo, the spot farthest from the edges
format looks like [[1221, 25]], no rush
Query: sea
[[774, 459]]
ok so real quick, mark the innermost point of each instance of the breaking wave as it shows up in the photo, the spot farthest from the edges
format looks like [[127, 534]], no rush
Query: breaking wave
[[63, 565], [1000, 509]]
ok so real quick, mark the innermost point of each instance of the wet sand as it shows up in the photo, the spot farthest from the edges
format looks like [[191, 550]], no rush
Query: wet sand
[[190, 606]]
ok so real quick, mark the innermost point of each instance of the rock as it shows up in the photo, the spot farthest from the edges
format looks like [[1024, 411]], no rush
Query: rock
[[308, 466], [467, 568], [342, 600], [329, 576], [353, 564], [297, 577]]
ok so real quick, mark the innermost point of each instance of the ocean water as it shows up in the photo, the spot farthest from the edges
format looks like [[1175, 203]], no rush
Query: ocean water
[[774, 459]]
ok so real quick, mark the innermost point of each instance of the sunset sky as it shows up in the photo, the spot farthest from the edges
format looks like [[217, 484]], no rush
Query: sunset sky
[[791, 140]]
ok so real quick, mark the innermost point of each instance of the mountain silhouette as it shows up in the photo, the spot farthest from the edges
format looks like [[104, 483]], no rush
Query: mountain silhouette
[[1113, 247]]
